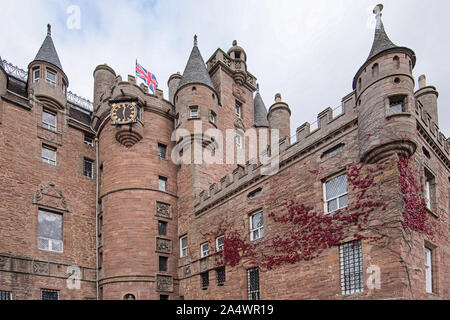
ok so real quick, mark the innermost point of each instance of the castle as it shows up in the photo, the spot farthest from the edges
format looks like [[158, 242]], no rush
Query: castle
[[93, 207]]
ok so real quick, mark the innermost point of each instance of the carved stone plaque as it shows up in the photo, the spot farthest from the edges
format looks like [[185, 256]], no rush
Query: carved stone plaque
[[204, 265], [41, 268], [163, 209], [164, 283], [187, 270], [5, 263], [163, 245]]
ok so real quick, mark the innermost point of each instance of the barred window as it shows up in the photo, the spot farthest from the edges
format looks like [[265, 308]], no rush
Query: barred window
[[48, 155], [204, 277], [220, 275], [49, 120], [5, 295], [336, 193], [351, 267], [50, 231], [88, 168], [253, 284], [47, 294]]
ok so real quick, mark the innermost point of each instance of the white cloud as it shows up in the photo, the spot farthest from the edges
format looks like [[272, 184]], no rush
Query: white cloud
[[308, 51]]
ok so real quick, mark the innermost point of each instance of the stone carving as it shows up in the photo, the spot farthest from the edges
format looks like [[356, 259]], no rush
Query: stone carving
[[50, 197], [187, 270], [163, 209], [164, 283], [5, 263], [204, 265], [41, 268], [163, 245], [239, 124], [238, 92], [227, 61]]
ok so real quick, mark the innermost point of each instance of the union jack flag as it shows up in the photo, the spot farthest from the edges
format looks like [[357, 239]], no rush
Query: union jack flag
[[148, 77]]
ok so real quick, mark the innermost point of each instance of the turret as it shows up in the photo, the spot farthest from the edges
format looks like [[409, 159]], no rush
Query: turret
[[173, 83], [104, 78], [46, 78], [427, 97], [280, 117], [384, 88]]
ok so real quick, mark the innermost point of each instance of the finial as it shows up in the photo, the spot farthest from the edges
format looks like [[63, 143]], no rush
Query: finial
[[49, 29], [377, 11], [278, 97], [195, 40], [234, 43], [257, 87]]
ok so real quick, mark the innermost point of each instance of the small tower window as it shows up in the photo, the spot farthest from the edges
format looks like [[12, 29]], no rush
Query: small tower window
[[36, 74], [359, 84], [162, 150], [396, 105], [397, 62], [194, 89], [50, 77], [212, 116], [375, 70], [193, 113], [64, 88], [237, 54], [162, 183]]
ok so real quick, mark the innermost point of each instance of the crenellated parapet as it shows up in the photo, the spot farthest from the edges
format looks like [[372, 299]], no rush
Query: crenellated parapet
[[329, 129]]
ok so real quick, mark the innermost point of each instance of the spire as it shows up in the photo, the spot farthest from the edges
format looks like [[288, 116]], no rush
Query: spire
[[259, 111], [381, 41], [47, 52], [195, 71]]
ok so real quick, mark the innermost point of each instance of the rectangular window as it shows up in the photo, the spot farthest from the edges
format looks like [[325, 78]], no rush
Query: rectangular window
[[163, 264], [220, 243], [49, 155], [396, 105], [193, 113], [256, 226], [204, 277], [204, 249], [351, 267], [47, 294], [89, 141], [336, 193], [163, 297], [49, 120], [64, 87], [183, 246], [238, 139], [36, 74], [253, 284], [5, 295], [50, 77], [220, 275], [162, 183], [88, 168], [429, 189], [238, 109], [50, 231], [139, 113], [162, 149], [429, 270], [162, 228]]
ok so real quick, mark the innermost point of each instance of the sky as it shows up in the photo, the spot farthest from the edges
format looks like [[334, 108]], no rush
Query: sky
[[309, 51]]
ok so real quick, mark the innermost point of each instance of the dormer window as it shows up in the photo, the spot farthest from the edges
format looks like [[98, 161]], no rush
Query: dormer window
[[36, 74], [50, 77]]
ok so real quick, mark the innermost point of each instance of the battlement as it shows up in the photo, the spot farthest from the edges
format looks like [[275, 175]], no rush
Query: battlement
[[328, 127]]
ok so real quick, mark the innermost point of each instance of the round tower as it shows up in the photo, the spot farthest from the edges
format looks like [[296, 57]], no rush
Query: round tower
[[427, 97], [173, 83], [46, 78], [384, 88], [279, 117], [104, 77]]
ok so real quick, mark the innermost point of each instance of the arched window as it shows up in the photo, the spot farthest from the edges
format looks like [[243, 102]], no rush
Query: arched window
[[129, 296]]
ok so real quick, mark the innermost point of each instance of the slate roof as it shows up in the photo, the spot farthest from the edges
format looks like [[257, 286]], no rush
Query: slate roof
[[195, 71], [381, 41], [48, 53], [259, 112]]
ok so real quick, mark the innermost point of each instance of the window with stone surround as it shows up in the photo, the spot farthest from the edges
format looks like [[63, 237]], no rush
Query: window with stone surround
[[162, 150], [50, 77], [183, 246], [429, 189], [220, 243], [50, 231], [428, 270], [48, 294], [162, 228], [88, 140], [194, 112], [49, 120], [204, 249], [88, 168], [48, 155], [162, 183], [204, 279], [335, 193], [163, 264], [256, 226], [238, 109], [397, 104], [350, 256], [36, 74]]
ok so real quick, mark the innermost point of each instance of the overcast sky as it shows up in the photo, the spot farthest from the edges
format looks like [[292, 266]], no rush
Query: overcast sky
[[309, 51]]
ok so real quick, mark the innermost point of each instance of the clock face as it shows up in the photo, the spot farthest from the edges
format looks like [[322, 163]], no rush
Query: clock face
[[123, 112]]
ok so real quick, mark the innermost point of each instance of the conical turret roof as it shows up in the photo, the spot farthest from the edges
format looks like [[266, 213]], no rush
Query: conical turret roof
[[195, 71], [47, 52], [381, 41], [259, 111]]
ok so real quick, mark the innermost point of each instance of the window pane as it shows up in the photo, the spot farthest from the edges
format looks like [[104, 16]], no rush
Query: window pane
[[336, 186], [396, 107], [184, 242], [220, 242], [257, 220], [50, 225], [56, 245], [51, 76], [162, 228], [49, 118], [162, 184], [343, 201], [49, 153], [43, 244]]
